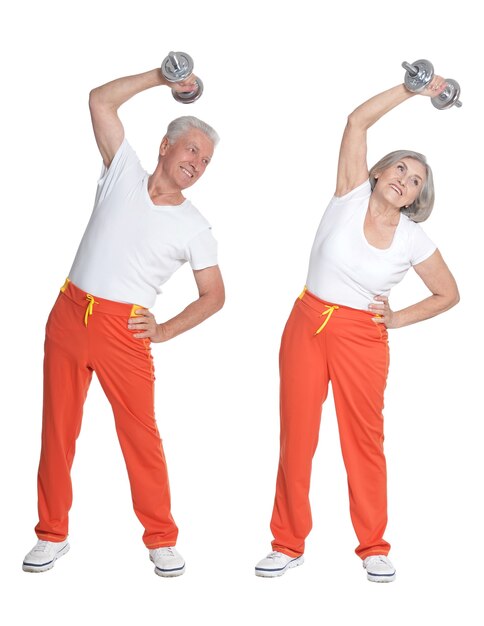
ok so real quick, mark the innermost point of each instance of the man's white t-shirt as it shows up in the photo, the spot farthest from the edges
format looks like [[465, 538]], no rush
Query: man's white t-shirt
[[132, 246], [345, 269]]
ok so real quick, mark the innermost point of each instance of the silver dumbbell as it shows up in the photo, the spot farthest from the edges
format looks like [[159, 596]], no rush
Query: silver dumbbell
[[418, 76], [175, 68]]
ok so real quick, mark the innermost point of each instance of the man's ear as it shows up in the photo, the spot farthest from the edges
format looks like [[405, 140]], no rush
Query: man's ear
[[165, 144]]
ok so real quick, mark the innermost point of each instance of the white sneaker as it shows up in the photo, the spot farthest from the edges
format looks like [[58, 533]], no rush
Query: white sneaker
[[276, 564], [379, 569], [44, 555], [168, 562]]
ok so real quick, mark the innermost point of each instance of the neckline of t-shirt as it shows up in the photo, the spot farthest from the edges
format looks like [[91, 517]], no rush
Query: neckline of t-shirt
[[395, 234], [161, 207]]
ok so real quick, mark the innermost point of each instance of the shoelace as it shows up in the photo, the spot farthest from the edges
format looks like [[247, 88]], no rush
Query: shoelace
[[274, 555], [41, 546], [165, 551], [377, 559]]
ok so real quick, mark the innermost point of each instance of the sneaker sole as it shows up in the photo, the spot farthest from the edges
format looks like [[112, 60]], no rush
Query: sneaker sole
[[44, 567], [381, 578], [273, 573], [169, 573]]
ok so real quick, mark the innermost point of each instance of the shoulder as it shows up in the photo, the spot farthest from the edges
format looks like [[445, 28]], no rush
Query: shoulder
[[193, 215], [410, 227], [124, 159], [360, 192], [418, 244]]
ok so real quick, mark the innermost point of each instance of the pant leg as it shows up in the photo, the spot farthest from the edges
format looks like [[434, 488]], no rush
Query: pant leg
[[304, 387], [67, 376], [124, 366], [358, 364]]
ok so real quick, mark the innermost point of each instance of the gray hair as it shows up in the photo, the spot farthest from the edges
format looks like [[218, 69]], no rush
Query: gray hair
[[419, 210], [183, 124]]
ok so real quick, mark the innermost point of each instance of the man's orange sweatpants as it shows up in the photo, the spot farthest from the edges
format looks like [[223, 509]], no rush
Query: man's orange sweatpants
[[87, 334], [323, 342]]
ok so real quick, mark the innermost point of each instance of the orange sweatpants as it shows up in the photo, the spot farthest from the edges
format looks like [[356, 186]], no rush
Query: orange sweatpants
[[351, 351], [86, 334]]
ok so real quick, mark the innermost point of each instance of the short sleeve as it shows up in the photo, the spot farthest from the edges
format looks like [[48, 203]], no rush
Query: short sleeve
[[124, 164], [201, 251], [363, 190], [421, 246]]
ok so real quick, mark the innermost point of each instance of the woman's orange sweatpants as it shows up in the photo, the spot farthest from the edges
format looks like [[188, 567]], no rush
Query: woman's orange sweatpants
[[87, 334], [323, 342]]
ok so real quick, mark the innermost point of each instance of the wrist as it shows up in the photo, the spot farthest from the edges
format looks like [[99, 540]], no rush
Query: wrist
[[161, 333], [159, 78], [397, 321]]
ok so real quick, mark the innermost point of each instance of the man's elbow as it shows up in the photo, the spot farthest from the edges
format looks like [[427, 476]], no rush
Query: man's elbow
[[455, 298], [451, 299], [97, 99], [93, 98], [219, 301]]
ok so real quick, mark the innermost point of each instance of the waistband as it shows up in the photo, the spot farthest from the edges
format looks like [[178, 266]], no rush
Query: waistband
[[110, 307], [339, 310]]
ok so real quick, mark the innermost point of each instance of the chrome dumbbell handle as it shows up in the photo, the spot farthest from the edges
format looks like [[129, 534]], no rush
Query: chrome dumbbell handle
[[418, 75], [176, 67], [411, 69]]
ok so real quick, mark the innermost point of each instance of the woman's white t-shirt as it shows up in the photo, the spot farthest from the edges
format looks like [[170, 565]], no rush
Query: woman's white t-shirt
[[131, 245], [345, 269]]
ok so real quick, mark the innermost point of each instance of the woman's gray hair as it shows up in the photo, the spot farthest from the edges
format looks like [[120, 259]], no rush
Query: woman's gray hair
[[419, 210], [181, 125]]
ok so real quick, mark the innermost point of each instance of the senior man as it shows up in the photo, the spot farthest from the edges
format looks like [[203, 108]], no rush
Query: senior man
[[142, 229]]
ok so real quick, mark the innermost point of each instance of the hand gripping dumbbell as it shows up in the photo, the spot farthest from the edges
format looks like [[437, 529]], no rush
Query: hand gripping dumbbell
[[177, 67], [420, 74]]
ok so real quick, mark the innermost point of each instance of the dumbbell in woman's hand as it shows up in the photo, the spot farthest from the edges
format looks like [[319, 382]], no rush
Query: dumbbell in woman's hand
[[420, 73]]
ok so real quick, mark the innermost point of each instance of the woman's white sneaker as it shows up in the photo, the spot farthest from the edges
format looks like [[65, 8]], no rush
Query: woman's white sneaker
[[168, 562], [277, 564], [43, 555], [379, 569]]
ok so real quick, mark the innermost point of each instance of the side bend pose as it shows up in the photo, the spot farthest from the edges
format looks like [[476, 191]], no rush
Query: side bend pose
[[141, 231], [367, 240]]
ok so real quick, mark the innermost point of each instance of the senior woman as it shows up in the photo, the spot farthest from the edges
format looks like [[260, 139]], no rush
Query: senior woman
[[367, 240]]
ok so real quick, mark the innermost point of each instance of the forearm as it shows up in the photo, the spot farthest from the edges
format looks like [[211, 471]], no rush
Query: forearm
[[116, 92], [194, 314], [373, 109], [425, 309]]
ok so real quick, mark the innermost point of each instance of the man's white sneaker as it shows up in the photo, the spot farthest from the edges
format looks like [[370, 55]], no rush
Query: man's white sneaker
[[168, 562], [379, 569], [276, 564], [44, 555]]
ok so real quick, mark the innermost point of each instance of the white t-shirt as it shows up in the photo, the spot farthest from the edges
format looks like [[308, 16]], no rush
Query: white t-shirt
[[345, 269], [131, 245]]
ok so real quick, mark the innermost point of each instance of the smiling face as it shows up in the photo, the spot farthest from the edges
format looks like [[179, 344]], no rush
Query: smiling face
[[184, 161], [400, 184]]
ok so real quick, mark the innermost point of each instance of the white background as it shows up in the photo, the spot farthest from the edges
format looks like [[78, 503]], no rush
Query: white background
[[280, 78]]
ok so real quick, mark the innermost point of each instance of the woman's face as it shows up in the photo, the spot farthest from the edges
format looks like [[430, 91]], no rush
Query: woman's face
[[401, 183]]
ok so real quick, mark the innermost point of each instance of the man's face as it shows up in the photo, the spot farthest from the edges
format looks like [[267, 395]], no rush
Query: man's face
[[185, 161]]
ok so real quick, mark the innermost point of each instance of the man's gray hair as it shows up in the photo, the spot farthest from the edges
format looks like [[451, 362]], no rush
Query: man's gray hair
[[421, 208], [183, 124]]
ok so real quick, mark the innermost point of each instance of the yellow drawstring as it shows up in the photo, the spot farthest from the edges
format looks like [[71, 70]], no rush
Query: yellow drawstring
[[89, 308], [301, 295], [64, 286], [329, 312], [134, 308]]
